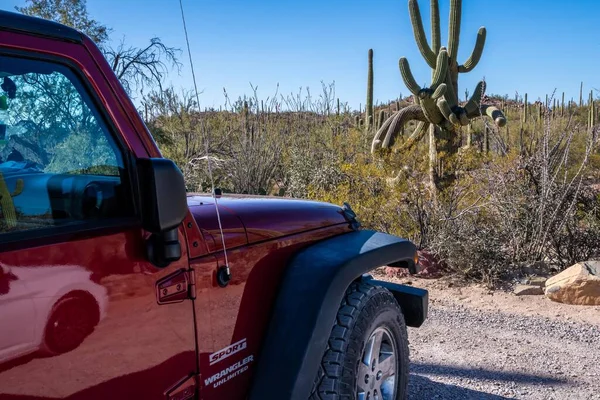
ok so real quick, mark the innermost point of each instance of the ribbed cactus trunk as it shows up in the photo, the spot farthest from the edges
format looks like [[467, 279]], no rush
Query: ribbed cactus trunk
[[369, 106]]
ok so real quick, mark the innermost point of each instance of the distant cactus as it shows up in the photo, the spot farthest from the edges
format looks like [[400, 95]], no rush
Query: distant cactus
[[397, 105], [525, 109], [6, 202], [437, 106], [591, 112], [581, 95], [369, 106], [562, 105]]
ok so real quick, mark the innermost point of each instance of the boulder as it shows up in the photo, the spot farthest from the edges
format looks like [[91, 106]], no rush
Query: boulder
[[538, 281], [579, 285], [528, 290]]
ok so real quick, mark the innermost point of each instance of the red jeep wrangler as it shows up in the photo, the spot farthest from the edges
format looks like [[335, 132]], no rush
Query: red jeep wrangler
[[117, 284]]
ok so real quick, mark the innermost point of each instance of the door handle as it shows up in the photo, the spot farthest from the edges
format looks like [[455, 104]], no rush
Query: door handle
[[184, 389]]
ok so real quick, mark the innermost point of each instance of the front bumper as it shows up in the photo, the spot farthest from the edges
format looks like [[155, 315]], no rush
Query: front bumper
[[413, 301]]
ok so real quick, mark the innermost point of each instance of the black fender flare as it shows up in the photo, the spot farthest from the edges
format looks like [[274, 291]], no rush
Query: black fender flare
[[310, 294]]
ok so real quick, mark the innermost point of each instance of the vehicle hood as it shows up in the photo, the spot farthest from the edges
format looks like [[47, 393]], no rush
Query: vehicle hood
[[250, 219]]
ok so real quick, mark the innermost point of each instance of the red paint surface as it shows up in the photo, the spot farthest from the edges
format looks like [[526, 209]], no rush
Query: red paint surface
[[263, 218]]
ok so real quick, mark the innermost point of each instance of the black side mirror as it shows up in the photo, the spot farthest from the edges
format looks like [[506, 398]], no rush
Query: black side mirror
[[163, 203]]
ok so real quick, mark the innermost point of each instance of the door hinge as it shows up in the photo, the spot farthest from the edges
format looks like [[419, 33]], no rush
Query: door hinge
[[176, 287]]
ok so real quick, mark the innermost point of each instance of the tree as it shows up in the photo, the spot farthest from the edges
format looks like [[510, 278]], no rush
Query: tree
[[142, 67], [72, 13], [136, 68]]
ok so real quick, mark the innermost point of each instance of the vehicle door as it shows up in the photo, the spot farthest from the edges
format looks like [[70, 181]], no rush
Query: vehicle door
[[78, 295]]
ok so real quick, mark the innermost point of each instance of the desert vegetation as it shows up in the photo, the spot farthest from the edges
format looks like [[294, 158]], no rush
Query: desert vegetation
[[488, 198]]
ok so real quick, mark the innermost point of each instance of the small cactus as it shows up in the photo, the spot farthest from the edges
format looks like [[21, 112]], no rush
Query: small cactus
[[525, 109], [6, 202]]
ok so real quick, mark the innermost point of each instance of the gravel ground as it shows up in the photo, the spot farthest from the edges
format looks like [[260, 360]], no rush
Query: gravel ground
[[475, 347]]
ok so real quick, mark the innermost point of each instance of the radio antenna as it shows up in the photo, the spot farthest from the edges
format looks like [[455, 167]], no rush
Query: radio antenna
[[223, 274]]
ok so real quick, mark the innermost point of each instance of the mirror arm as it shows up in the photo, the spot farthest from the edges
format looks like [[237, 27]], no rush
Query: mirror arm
[[163, 248]]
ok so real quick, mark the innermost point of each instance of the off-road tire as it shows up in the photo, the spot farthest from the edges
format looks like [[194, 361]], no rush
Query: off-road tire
[[364, 309]]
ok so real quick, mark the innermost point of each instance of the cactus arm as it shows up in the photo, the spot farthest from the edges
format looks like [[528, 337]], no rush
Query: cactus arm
[[491, 111], [18, 189], [472, 61], [441, 69], [446, 111], [392, 126], [407, 76], [462, 117], [440, 91], [6, 202], [419, 32], [450, 95], [474, 102], [454, 28], [416, 137], [436, 36]]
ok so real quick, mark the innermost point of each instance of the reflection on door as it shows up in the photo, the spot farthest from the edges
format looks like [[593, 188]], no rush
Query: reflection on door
[[80, 320]]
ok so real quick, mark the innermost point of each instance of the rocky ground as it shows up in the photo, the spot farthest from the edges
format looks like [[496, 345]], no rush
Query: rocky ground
[[479, 344]]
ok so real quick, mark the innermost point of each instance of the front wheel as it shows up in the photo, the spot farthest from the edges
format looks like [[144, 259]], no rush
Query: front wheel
[[367, 354]]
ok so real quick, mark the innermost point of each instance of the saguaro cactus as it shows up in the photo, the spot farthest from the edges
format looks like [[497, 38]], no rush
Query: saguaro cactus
[[369, 106], [437, 107], [6, 202], [591, 112]]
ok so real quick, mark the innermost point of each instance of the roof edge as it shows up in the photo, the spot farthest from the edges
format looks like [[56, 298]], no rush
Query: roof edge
[[11, 21]]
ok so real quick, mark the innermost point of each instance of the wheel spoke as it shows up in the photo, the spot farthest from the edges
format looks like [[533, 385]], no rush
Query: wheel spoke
[[372, 350], [387, 366], [378, 338]]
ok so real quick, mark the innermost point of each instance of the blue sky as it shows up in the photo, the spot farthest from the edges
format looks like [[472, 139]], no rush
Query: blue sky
[[533, 46]]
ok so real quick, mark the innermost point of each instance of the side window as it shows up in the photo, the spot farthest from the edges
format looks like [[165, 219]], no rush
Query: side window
[[59, 164]]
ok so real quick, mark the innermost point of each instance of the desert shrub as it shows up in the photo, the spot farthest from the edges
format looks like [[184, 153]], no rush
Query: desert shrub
[[521, 195], [521, 208]]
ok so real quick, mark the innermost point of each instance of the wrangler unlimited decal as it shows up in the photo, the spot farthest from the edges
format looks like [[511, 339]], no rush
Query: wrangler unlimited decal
[[229, 372]]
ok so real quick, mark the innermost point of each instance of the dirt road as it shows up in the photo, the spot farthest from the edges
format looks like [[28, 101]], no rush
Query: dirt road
[[487, 345]]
